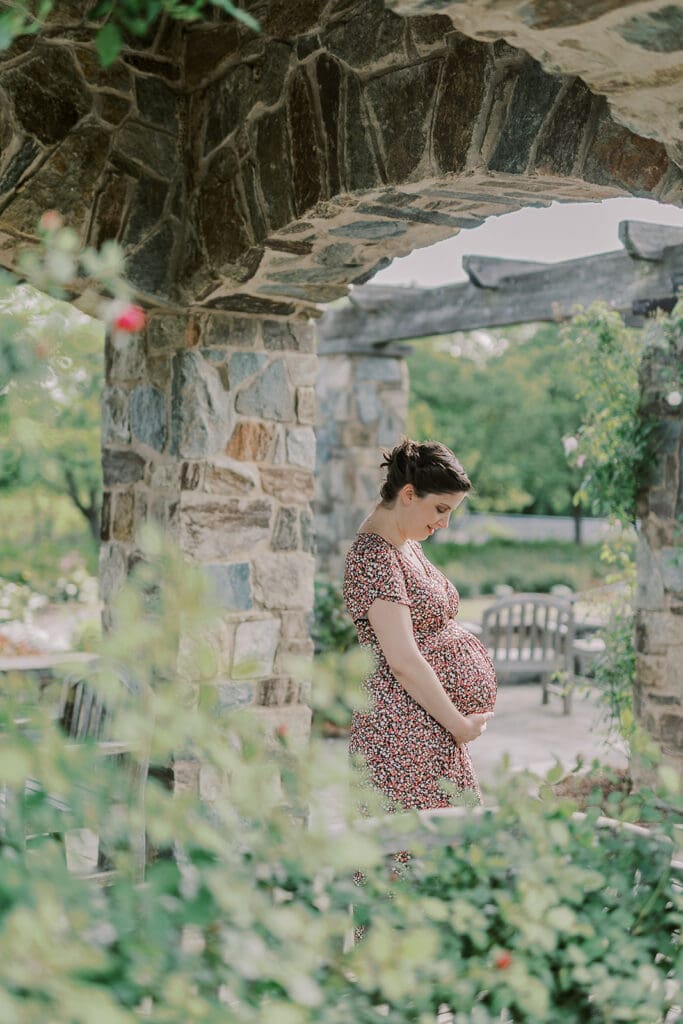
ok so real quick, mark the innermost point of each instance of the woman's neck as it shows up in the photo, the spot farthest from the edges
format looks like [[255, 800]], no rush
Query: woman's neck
[[383, 521]]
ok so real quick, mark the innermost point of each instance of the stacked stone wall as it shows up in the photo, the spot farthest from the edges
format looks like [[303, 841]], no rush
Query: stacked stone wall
[[363, 402], [208, 430], [251, 177], [658, 695]]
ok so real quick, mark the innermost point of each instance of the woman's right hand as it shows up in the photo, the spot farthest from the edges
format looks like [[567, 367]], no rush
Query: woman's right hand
[[472, 727]]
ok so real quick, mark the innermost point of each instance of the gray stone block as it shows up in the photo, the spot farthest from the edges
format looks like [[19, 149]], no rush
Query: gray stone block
[[285, 536], [672, 569], [660, 31], [303, 369], [270, 396], [231, 332], [166, 331], [213, 355], [370, 229], [245, 364], [255, 647], [201, 417], [113, 571], [212, 528], [284, 581], [145, 145], [148, 416], [234, 695], [308, 537], [367, 401], [115, 421], [376, 368], [231, 585], [650, 587], [301, 447], [126, 358], [390, 428], [121, 467]]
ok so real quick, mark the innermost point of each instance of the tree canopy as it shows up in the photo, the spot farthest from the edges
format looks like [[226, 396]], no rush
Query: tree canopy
[[51, 377], [503, 401]]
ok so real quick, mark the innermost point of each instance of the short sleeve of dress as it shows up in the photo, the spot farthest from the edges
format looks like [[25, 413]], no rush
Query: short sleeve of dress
[[372, 572]]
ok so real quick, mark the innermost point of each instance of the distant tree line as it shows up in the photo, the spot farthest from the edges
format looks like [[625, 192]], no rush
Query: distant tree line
[[504, 401]]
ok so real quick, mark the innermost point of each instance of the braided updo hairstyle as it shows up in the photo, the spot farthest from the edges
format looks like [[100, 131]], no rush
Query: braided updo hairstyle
[[430, 467]]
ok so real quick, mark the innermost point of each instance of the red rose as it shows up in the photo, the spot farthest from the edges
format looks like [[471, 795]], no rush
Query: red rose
[[503, 961], [51, 221], [281, 731], [130, 319]]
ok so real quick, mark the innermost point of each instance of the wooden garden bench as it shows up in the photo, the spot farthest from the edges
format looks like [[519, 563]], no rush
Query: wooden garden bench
[[83, 716], [529, 636]]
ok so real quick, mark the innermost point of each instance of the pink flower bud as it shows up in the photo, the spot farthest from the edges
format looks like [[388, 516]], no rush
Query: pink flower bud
[[51, 221], [130, 319], [580, 461]]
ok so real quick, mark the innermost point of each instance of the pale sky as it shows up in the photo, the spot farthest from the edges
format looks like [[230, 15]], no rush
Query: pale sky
[[562, 231]]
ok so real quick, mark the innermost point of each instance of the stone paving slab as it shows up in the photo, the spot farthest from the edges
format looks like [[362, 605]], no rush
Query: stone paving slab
[[534, 735]]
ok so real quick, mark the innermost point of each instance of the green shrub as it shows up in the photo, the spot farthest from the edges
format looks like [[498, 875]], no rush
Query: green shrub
[[526, 915], [520, 910], [333, 629], [527, 566]]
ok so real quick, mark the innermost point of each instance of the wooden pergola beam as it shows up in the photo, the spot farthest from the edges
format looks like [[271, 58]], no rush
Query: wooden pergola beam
[[376, 316], [646, 241], [491, 272]]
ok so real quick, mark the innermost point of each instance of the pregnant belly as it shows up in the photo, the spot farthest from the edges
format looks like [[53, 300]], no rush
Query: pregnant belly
[[466, 671]]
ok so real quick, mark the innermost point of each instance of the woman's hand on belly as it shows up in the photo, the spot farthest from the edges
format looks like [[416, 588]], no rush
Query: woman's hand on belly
[[472, 727]]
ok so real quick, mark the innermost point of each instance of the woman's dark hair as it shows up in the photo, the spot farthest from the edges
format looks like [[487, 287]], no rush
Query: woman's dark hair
[[430, 467]]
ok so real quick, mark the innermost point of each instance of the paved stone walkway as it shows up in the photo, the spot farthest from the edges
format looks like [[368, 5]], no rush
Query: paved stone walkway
[[533, 735], [536, 735]]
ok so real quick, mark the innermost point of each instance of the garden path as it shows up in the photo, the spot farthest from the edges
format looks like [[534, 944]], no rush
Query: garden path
[[533, 735]]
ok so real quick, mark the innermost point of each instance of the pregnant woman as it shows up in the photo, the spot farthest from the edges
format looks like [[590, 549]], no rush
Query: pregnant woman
[[434, 686]]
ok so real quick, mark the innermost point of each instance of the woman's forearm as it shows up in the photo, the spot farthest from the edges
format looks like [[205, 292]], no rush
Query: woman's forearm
[[418, 678]]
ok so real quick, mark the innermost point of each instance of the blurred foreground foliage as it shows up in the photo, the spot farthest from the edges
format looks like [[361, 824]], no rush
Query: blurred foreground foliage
[[117, 22], [241, 912]]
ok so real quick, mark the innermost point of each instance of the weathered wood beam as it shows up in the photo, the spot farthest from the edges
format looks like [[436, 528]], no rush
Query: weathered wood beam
[[648, 241], [553, 293], [491, 272]]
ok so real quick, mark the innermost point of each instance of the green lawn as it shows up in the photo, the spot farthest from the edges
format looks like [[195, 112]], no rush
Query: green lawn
[[535, 566], [38, 531]]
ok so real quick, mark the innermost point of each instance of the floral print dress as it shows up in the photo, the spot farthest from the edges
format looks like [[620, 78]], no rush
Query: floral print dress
[[403, 750]]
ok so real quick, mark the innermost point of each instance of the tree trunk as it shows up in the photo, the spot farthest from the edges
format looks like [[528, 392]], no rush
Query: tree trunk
[[578, 519], [92, 515]]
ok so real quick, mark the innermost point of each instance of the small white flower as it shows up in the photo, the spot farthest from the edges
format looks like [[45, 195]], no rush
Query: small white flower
[[570, 444], [674, 398]]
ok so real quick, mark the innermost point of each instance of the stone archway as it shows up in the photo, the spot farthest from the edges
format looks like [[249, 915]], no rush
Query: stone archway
[[250, 179]]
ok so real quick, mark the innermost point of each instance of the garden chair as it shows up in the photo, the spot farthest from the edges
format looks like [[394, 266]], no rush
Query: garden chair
[[83, 716], [530, 636]]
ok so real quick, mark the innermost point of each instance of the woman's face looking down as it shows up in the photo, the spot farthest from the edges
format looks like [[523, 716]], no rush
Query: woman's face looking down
[[421, 517]]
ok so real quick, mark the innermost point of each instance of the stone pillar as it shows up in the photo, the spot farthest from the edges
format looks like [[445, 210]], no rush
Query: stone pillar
[[363, 405], [658, 696], [208, 429]]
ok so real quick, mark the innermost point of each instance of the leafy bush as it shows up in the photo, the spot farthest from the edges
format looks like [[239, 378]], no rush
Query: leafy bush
[[243, 915], [333, 629], [527, 915], [612, 445], [525, 565]]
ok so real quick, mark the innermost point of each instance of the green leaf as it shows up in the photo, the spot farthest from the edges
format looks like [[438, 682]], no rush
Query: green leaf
[[669, 778], [238, 14], [557, 772], [108, 42]]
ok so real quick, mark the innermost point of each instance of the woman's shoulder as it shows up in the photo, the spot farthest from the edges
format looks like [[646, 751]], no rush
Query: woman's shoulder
[[370, 547]]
